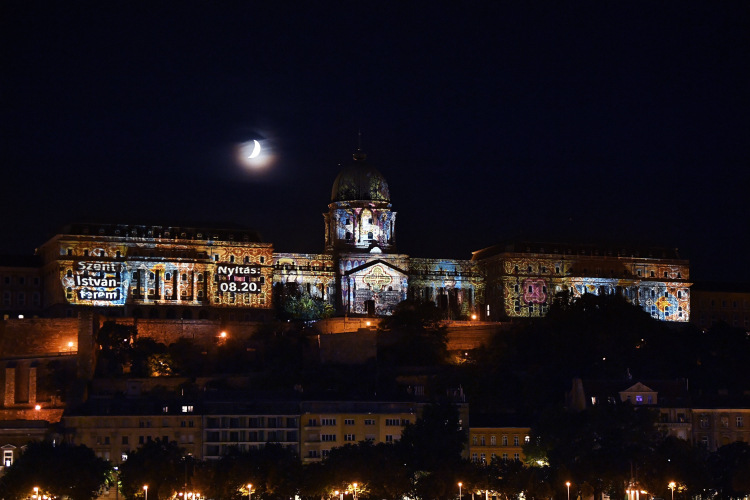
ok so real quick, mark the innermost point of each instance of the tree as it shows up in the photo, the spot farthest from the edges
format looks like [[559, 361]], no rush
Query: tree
[[115, 347], [273, 471], [421, 338], [597, 446], [431, 449], [158, 464], [307, 308], [729, 467], [61, 470]]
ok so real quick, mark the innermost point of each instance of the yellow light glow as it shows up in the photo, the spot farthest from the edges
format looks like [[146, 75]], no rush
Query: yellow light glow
[[223, 334], [145, 487], [473, 316], [460, 484], [70, 344], [38, 407]]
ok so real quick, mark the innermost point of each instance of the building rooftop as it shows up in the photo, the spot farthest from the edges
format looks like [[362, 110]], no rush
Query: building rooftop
[[577, 250]]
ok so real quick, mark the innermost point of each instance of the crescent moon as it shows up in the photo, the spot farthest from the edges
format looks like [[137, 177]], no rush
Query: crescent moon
[[256, 149]]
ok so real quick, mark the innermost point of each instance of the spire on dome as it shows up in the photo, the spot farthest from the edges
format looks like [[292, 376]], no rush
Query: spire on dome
[[359, 155]]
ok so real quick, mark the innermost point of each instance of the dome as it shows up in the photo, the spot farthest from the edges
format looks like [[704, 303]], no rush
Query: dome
[[360, 181]]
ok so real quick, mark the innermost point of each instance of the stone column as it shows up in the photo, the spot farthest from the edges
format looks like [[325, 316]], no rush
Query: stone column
[[32, 385], [10, 384]]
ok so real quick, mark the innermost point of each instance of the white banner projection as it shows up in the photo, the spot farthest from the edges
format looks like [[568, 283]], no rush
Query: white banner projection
[[97, 283]]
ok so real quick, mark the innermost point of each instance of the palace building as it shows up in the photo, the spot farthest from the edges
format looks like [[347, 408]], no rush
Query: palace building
[[176, 272]]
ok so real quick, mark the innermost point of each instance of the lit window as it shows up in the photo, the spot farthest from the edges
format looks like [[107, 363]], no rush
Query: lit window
[[187, 409]]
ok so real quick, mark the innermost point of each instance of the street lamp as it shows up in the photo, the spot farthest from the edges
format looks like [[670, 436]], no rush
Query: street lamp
[[36, 492], [249, 491], [567, 483], [145, 488], [459, 491], [672, 485], [355, 490]]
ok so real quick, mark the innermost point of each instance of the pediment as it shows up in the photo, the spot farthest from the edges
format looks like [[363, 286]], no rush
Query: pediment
[[638, 387], [8, 447], [368, 265]]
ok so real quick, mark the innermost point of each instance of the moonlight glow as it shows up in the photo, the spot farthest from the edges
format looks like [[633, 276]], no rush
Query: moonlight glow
[[250, 154]]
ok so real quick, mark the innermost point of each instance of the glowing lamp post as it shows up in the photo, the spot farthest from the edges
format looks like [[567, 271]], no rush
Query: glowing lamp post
[[568, 485], [355, 490], [249, 491], [672, 485], [36, 492], [145, 488], [459, 490]]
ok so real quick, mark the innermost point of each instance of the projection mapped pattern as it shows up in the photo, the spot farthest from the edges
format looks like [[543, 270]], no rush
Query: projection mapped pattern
[[529, 284], [96, 283], [372, 284], [305, 273], [362, 228], [455, 285], [143, 273]]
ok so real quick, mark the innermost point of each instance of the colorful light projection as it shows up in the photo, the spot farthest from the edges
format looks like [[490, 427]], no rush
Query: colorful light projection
[[666, 301], [308, 273], [96, 283], [369, 228], [373, 285], [456, 285], [148, 273]]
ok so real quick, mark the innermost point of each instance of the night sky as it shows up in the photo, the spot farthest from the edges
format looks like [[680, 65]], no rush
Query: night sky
[[574, 122]]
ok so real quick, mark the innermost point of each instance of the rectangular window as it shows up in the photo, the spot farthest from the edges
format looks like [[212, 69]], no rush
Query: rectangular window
[[313, 422], [325, 453], [505, 457], [124, 439], [348, 421], [516, 456], [328, 437], [369, 421], [369, 437], [392, 421], [515, 440], [106, 439], [483, 457], [328, 421], [738, 422], [349, 437], [388, 438], [481, 440], [493, 440], [474, 457], [187, 409], [505, 440]]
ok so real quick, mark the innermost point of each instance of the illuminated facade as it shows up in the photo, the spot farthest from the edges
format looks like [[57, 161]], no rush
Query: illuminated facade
[[522, 277], [158, 271], [361, 272], [201, 273]]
